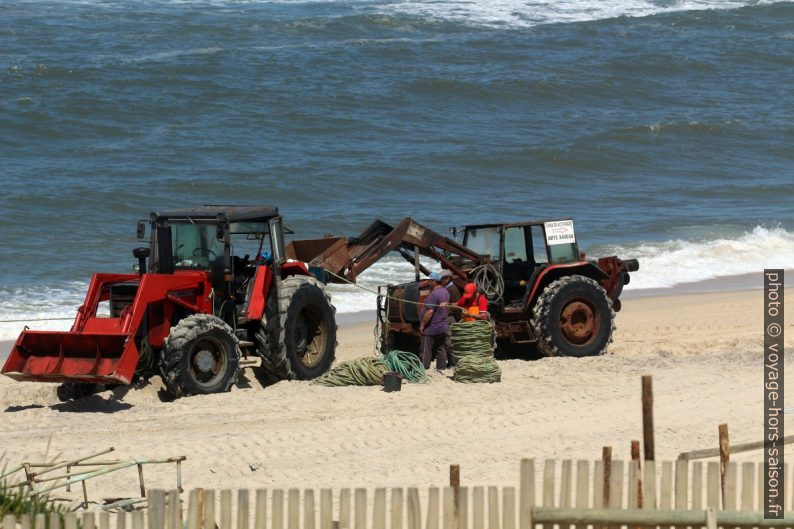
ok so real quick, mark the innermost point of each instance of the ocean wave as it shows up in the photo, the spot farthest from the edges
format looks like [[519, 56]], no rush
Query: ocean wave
[[518, 13], [669, 263], [489, 13]]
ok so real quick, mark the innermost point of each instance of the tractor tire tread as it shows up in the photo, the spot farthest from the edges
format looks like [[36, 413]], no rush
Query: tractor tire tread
[[277, 363], [541, 314], [187, 330]]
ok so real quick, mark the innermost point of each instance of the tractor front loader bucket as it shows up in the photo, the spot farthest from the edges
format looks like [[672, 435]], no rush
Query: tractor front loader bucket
[[104, 349], [48, 356], [96, 350]]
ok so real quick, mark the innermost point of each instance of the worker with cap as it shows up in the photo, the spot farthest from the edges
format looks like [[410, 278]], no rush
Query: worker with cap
[[446, 282], [473, 303], [433, 324], [454, 296]]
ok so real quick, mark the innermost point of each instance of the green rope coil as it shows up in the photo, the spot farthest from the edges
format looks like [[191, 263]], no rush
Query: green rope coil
[[367, 371], [473, 352], [406, 364]]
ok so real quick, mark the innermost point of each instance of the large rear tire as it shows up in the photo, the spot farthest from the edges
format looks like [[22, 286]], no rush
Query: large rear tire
[[573, 316], [297, 339], [201, 356]]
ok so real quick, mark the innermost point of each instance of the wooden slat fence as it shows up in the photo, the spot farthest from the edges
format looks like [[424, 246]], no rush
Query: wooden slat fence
[[553, 495]]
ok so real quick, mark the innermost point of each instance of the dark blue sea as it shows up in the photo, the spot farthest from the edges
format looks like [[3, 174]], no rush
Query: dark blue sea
[[665, 128]]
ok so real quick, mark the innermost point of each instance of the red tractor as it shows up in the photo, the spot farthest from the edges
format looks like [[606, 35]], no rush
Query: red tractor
[[541, 289], [193, 308]]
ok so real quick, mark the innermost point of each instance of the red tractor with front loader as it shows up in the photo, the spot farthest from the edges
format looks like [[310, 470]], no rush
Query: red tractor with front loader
[[191, 310]]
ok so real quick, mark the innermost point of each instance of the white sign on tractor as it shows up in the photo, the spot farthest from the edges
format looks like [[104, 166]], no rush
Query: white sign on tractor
[[559, 232]]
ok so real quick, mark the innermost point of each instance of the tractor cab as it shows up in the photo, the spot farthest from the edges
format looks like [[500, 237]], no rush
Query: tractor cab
[[226, 242], [520, 251]]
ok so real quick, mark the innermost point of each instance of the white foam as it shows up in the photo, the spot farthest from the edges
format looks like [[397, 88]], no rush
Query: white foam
[[493, 13], [669, 263], [527, 13], [39, 303], [662, 264]]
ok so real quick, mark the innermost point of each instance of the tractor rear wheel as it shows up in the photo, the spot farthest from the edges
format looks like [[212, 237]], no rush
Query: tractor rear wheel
[[297, 339], [573, 316], [201, 356]]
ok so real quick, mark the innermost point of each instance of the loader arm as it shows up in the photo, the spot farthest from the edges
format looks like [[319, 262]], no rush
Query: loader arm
[[349, 257]]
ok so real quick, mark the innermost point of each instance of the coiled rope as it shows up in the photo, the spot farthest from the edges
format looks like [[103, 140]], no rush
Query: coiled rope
[[489, 281], [365, 371], [473, 352], [406, 364], [369, 371]]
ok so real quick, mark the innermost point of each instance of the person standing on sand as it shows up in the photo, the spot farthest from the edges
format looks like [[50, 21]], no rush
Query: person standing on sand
[[446, 282], [433, 325]]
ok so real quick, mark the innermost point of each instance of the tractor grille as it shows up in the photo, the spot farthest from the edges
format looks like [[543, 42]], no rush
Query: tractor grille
[[121, 295]]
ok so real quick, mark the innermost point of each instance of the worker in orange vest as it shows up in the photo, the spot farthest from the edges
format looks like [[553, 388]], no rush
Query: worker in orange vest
[[473, 303]]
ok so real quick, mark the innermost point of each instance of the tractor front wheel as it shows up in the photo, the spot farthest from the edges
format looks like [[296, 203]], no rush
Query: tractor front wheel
[[77, 390], [573, 316], [201, 356]]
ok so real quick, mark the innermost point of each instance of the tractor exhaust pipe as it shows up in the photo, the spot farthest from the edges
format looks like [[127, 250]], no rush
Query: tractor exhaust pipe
[[141, 254]]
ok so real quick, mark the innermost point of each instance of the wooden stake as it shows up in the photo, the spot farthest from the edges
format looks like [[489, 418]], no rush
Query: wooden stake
[[606, 458], [454, 482], [140, 479], [647, 418], [725, 456], [635, 456]]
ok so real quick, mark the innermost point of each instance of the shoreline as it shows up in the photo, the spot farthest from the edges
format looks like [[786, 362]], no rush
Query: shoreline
[[734, 283]]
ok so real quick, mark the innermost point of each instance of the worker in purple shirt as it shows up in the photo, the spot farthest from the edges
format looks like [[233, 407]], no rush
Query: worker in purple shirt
[[433, 324]]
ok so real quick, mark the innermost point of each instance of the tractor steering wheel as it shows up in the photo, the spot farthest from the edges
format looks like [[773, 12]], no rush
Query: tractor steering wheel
[[197, 251]]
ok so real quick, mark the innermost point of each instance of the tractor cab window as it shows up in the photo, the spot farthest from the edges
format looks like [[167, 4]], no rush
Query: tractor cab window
[[561, 240], [195, 245], [515, 245], [516, 267], [484, 241], [539, 245]]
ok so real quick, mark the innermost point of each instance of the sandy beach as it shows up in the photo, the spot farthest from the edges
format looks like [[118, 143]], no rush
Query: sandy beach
[[703, 350]]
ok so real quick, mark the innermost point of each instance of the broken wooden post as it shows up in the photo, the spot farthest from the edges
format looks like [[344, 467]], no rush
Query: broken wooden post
[[606, 457], [140, 480], [725, 456], [454, 482], [647, 417]]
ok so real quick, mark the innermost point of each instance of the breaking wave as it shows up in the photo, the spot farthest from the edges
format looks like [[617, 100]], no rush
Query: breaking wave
[[670, 263], [488, 13], [518, 13]]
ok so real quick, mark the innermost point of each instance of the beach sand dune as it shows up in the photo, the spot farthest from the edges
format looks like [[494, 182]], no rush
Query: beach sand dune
[[704, 351]]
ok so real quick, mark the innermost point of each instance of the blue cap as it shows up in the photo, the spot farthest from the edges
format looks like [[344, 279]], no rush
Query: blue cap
[[435, 276]]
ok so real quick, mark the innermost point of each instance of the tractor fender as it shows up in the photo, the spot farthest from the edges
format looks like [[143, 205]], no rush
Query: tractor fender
[[263, 280], [554, 272], [293, 267]]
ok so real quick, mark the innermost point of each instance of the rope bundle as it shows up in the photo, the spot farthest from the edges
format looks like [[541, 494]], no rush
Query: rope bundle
[[406, 364], [369, 371], [473, 352], [365, 371]]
